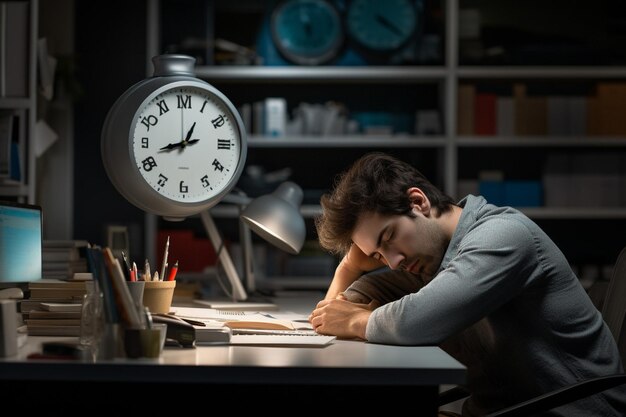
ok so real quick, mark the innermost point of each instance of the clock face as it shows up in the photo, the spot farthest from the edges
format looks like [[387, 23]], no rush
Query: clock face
[[186, 144], [381, 26], [307, 32]]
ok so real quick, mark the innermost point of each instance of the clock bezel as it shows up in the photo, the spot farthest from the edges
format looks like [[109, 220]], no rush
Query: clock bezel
[[118, 153]]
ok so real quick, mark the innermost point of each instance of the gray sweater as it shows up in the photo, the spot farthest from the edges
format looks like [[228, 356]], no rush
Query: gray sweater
[[506, 303]]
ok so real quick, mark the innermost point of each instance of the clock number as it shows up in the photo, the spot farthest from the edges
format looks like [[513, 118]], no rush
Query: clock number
[[219, 121], [223, 144], [148, 164], [162, 180], [205, 182], [162, 107], [203, 106], [145, 142], [149, 121], [184, 102], [218, 166], [183, 188]]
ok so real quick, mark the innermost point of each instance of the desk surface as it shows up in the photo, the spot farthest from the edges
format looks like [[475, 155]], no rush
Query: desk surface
[[342, 362]]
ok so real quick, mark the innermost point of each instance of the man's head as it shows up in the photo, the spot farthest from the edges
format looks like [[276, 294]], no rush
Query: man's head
[[375, 184]]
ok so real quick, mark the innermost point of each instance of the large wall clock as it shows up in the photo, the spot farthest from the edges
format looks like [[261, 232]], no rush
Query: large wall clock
[[307, 32], [172, 144], [381, 27]]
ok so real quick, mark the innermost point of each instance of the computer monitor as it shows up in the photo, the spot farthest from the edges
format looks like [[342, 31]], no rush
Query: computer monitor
[[20, 243]]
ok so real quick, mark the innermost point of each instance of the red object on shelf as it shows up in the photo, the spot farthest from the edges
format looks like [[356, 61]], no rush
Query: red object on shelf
[[194, 254]]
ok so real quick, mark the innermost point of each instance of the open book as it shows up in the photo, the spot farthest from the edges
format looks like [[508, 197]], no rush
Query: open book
[[239, 319], [250, 328]]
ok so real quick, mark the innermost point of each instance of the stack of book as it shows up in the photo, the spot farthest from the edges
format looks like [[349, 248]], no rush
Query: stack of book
[[53, 307], [61, 259]]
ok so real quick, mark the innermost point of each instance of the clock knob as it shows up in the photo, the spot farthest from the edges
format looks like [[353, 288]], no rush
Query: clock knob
[[171, 64]]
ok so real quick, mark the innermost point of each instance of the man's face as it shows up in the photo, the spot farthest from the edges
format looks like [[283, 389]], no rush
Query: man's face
[[402, 242]]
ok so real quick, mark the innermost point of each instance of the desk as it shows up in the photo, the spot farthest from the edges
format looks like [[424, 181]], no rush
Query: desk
[[321, 374]]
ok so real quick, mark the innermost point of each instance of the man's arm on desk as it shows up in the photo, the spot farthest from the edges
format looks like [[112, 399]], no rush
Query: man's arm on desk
[[341, 318]]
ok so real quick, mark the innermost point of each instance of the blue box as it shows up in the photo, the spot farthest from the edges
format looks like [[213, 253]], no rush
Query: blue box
[[493, 191], [523, 193]]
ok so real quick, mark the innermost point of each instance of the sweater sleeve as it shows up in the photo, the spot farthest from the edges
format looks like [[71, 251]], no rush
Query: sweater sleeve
[[493, 263]]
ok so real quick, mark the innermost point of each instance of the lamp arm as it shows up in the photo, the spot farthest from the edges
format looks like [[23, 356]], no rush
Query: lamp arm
[[239, 292]]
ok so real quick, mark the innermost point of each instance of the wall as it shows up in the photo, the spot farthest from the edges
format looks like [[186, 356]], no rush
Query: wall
[[110, 57]]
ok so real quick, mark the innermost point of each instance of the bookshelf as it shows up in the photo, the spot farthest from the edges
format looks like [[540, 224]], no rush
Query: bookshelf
[[453, 159], [18, 98]]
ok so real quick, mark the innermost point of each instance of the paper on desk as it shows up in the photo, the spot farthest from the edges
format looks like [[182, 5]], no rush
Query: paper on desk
[[239, 319]]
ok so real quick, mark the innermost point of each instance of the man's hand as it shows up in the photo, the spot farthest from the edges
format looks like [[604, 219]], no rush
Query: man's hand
[[341, 318]]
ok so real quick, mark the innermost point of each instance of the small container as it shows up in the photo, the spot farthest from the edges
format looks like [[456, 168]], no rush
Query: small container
[[157, 296]]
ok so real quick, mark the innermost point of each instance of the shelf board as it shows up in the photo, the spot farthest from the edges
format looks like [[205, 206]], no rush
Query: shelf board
[[18, 190], [347, 141], [542, 72], [230, 211], [14, 103], [540, 141], [578, 213], [374, 74], [312, 210]]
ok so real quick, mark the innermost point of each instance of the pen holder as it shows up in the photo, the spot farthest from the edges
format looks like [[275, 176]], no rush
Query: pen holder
[[145, 343], [136, 289], [157, 296]]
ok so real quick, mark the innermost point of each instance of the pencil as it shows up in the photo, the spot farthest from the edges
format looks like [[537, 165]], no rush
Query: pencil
[[146, 271]]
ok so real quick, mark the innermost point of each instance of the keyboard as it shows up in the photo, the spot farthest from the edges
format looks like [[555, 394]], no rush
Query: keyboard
[[276, 332]]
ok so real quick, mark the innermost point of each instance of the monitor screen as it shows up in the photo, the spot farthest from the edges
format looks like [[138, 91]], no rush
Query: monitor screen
[[20, 242]]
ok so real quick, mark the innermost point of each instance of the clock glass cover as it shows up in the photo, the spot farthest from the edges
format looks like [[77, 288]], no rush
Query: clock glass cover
[[307, 32], [381, 26], [186, 144]]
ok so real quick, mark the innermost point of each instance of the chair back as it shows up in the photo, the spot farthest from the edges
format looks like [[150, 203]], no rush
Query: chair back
[[614, 306]]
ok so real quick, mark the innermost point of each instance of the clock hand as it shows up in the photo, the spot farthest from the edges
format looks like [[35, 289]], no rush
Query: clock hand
[[190, 132], [182, 143], [171, 146], [389, 25]]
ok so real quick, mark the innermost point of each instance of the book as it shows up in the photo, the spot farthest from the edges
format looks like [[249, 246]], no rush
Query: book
[[57, 293], [56, 283], [53, 330], [43, 314], [36, 304], [239, 319], [61, 306], [52, 322], [53, 243]]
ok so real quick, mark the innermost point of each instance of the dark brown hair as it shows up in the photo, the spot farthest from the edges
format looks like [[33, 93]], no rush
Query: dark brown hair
[[375, 183]]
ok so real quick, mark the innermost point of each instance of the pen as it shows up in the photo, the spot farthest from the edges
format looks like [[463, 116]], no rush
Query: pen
[[127, 272], [167, 247], [173, 272]]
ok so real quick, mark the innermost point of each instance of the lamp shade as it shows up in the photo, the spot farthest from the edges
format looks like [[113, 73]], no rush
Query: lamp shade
[[276, 217]]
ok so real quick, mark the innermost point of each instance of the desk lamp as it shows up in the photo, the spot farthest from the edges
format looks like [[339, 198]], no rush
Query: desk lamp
[[275, 217]]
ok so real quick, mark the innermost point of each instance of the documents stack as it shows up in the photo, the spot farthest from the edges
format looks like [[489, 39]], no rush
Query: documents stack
[[53, 308], [61, 259]]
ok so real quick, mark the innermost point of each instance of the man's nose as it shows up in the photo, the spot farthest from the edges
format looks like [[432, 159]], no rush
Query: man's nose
[[394, 260]]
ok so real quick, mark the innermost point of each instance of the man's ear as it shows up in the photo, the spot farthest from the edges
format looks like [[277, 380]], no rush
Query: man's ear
[[418, 200]]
